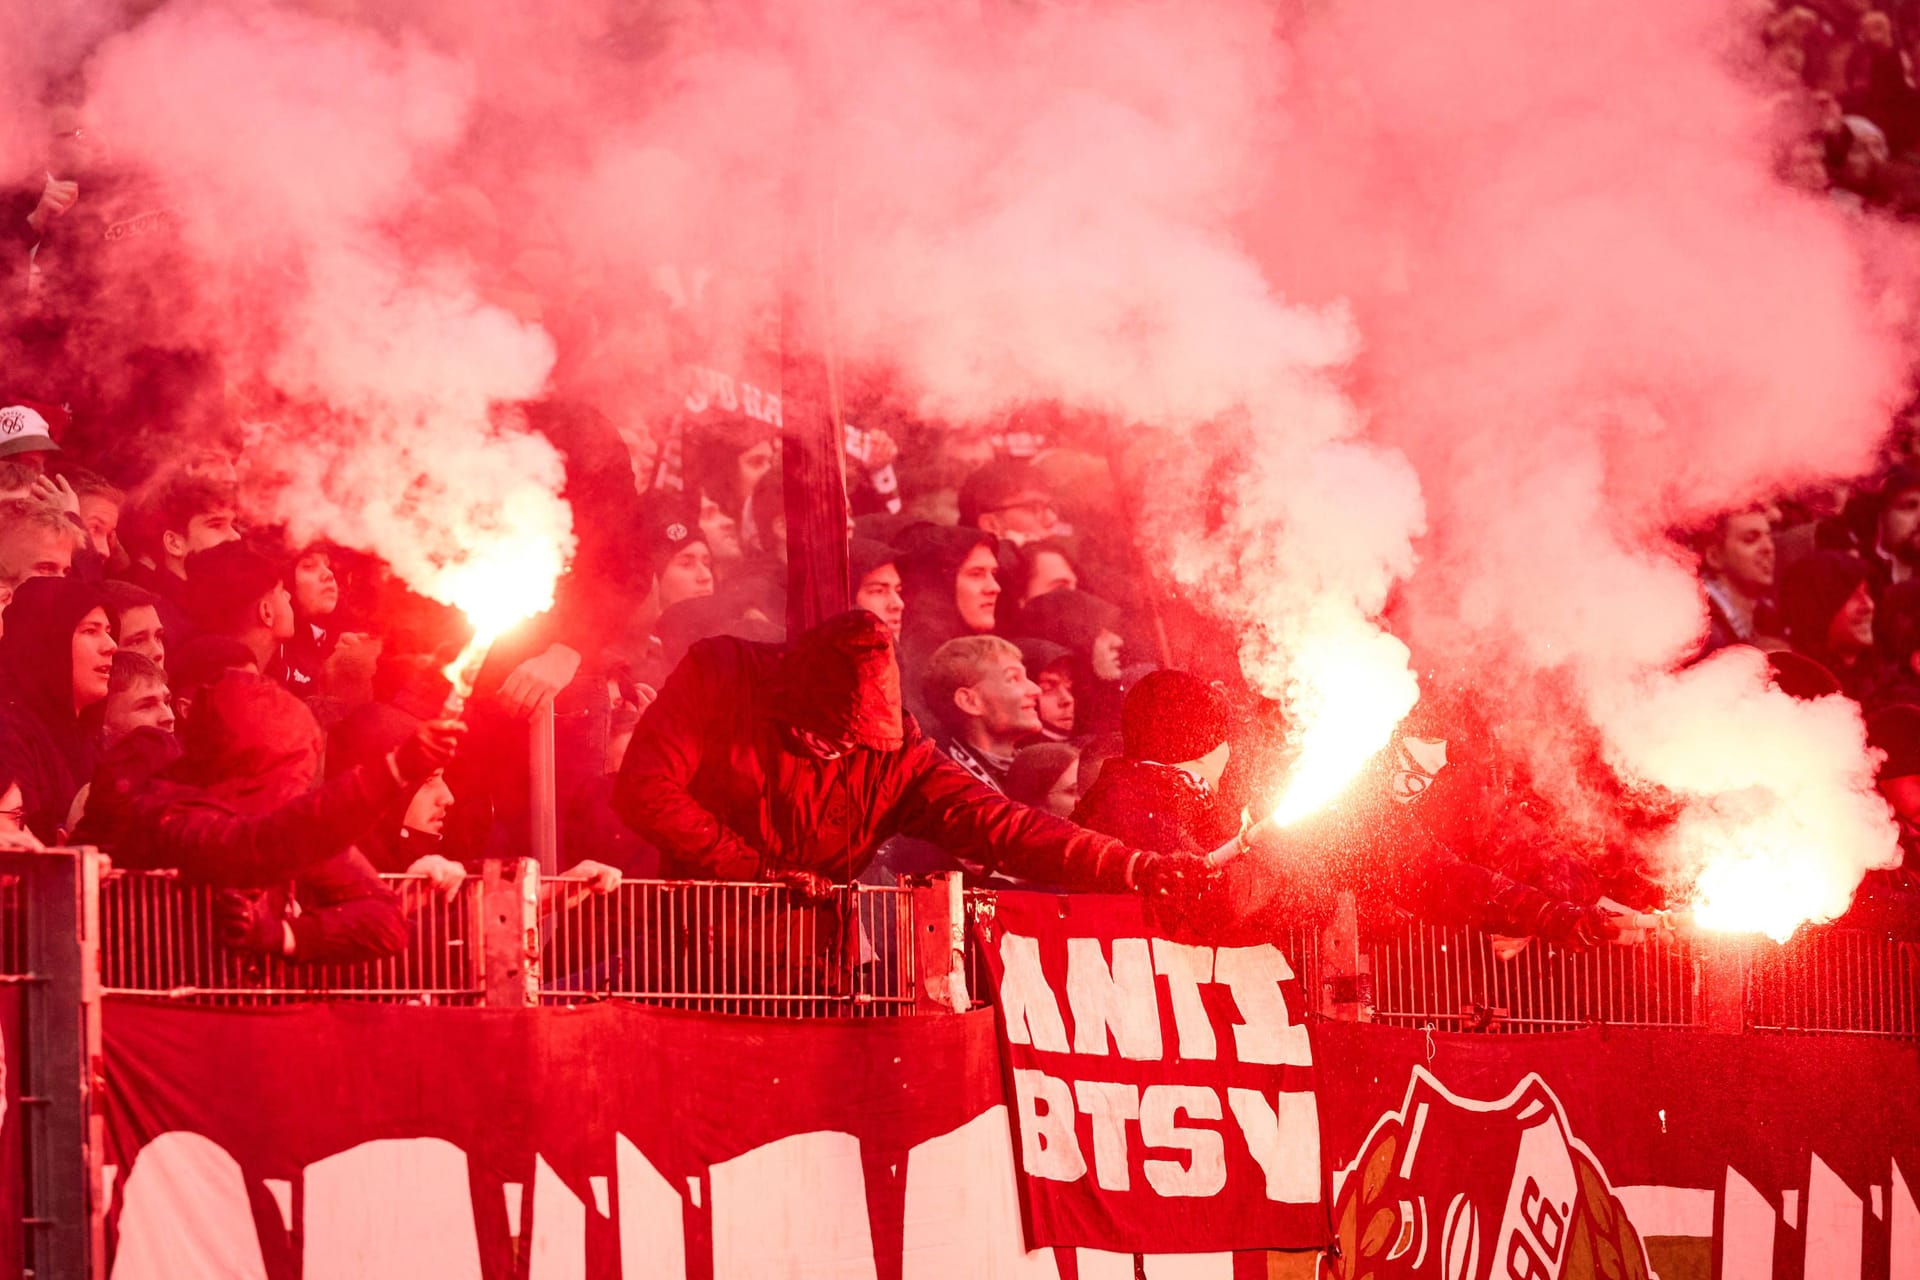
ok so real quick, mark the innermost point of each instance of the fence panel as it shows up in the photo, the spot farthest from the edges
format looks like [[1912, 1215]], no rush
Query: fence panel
[[1837, 981], [1452, 979], [159, 937], [734, 947]]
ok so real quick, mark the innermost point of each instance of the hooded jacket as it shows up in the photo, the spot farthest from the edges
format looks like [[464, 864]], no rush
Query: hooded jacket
[[929, 563], [715, 778], [44, 744]]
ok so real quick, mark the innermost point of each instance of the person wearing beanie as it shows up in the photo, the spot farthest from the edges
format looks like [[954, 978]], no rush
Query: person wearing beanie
[[1009, 499], [1089, 629], [1047, 777], [234, 591], [56, 664], [1896, 622], [1050, 666], [796, 765], [874, 571], [951, 585], [682, 561], [978, 687], [1161, 791], [316, 599], [1828, 610]]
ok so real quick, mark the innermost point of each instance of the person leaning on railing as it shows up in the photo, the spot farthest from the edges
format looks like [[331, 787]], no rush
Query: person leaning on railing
[[754, 764], [236, 807]]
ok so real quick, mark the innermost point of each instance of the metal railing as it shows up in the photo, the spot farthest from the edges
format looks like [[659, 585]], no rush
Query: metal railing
[[159, 937], [730, 947], [1451, 979], [755, 949], [1835, 981]]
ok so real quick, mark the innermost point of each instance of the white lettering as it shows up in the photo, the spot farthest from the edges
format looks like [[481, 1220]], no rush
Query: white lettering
[[653, 1233], [559, 1228], [1186, 968], [1123, 1000], [1205, 1172], [794, 1207], [184, 1212], [1284, 1140], [1111, 1106], [1049, 1148], [1026, 1001], [394, 1207], [1265, 1034], [963, 1208]]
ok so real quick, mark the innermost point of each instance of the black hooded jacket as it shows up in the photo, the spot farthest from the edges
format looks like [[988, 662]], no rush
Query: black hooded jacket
[[44, 744], [929, 564]]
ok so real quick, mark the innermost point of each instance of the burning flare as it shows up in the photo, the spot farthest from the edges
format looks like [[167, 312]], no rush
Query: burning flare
[[1348, 691], [497, 587]]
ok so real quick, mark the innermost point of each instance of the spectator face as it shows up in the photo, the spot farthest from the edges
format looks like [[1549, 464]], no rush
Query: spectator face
[[1064, 795], [101, 515], [754, 465], [33, 551], [1876, 29], [1056, 699], [1851, 631], [1744, 556], [879, 595], [1051, 572], [722, 531], [279, 617], [1027, 516], [688, 574], [13, 810], [208, 529], [141, 633], [136, 708], [1005, 702], [977, 588], [1900, 526], [315, 589], [427, 811], [93, 650], [1106, 655]]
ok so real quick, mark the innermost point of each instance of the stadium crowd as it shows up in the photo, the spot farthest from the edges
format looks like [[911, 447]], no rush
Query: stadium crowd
[[1014, 695]]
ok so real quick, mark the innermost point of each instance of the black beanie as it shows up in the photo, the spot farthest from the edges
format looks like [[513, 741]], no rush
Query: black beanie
[[1799, 676], [1896, 731], [1171, 717], [1812, 591]]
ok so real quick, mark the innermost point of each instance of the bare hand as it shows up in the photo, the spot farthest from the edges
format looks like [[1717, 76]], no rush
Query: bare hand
[[56, 493], [21, 841], [537, 681], [881, 451], [55, 199], [427, 751], [644, 696], [444, 874], [600, 877]]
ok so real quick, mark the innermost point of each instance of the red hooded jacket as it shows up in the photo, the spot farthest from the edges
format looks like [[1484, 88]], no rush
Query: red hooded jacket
[[716, 779]]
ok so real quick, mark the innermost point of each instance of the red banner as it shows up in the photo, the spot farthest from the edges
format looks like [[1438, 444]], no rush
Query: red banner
[[1162, 1092]]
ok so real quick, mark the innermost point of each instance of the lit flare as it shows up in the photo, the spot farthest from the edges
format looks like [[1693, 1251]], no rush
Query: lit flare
[[497, 587]]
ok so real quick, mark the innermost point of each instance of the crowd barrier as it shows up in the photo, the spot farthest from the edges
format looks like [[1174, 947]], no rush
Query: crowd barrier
[[512, 937]]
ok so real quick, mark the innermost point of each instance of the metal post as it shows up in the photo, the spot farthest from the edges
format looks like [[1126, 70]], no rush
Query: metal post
[[1346, 983], [510, 932], [1720, 975], [66, 1217], [543, 802], [939, 945]]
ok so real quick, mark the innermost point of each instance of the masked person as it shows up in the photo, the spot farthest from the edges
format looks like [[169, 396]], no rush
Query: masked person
[[754, 764], [1164, 789]]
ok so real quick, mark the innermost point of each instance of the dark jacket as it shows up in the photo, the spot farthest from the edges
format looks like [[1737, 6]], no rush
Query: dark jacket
[[44, 744], [236, 808], [929, 564], [1155, 806], [716, 781]]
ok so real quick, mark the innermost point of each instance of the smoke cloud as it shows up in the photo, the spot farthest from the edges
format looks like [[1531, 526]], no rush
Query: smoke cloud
[[1439, 314]]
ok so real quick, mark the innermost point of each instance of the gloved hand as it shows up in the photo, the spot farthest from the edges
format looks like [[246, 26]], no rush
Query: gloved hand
[[250, 920], [1577, 928], [1173, 876], [809, 886], [427, 751]]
